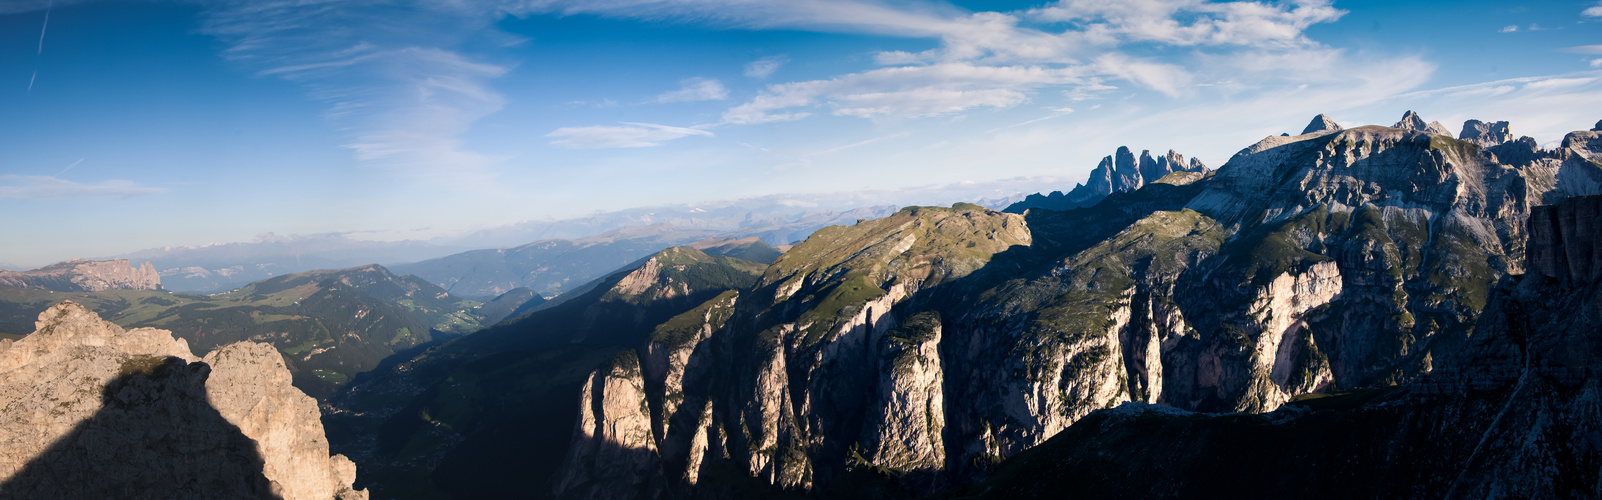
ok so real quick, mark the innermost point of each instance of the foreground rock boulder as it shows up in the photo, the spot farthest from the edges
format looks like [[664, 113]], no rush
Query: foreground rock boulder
[[91, 410]]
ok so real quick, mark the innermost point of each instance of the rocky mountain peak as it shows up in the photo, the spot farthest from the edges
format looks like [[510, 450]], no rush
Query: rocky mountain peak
[[83, 275], [1411, 121], [121, 411], [1118, 173], [1598, 127], [1485, 134], [1321, 123]]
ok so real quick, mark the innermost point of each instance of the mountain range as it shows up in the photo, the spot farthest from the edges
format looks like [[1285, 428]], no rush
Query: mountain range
[[552, 267], [1369, 311], [918, 353]]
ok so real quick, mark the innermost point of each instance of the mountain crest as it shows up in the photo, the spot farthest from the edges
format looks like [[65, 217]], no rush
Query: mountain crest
[[1320, 123], [1411, 121], [1119, 173], [1485, 134]]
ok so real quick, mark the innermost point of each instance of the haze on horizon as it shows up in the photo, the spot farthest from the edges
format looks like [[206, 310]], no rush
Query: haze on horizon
[[138, 124]]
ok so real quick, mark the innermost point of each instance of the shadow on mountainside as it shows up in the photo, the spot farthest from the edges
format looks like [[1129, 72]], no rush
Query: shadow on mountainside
[[155, 436]]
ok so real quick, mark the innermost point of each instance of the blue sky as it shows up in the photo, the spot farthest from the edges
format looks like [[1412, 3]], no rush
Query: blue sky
[[142, 124]]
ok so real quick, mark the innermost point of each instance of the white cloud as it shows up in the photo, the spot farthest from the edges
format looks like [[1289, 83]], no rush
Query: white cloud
[[1076, 43], [1508, 29], [630, 135], [34, 187], [1188, 22], [924, 102], [764, 67], [1593, 11], [1168, 79], [696, 89]]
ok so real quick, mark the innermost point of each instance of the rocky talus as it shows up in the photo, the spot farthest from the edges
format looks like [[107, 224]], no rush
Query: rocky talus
[[81, 275], [95, 411]]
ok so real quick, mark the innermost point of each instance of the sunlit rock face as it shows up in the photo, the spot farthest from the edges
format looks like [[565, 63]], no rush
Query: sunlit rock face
[[96, 411]]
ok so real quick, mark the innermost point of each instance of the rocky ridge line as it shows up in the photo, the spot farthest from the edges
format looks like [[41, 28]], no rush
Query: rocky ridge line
[[1119, 173]]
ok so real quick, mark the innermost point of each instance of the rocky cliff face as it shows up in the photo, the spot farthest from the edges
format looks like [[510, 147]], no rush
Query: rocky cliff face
[[81, 275], [1121, 172], [613, 454], [95, 411]]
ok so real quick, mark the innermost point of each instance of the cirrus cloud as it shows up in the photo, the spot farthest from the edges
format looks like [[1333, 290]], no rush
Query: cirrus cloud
[[630, 135], [38, 187], [696, 89]]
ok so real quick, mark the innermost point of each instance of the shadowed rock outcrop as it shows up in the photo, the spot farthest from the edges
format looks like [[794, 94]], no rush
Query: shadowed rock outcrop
[[95, 411], [1566, 240]]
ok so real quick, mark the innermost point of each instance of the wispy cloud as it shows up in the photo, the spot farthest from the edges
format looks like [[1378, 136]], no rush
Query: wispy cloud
[[21, 6], [390, 73], [69, 167], [1582, 49], [764, 67], [630, 135], [1593, 11], [44, 26], [914, 91], [37, 187], [1508, 29], [696, 89]]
